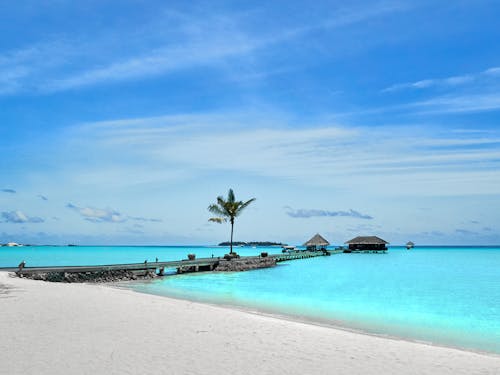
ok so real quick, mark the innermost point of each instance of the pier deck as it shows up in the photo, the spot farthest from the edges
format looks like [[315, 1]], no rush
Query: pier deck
[[201, 264]]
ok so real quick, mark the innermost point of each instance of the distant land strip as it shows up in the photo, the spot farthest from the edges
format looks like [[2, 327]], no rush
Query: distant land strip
[[253, 243]]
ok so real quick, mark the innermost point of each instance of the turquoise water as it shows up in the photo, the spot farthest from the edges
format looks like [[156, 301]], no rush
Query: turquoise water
[[444, 295], [92, 255]]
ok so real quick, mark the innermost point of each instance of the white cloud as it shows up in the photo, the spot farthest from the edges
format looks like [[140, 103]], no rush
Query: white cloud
[[201, 39], [478, 101], [108, 215], [459, 104], [423, 160], [444, 82], [98, 215], [20, 217], [493, 71], [305, 213], [27, 68]]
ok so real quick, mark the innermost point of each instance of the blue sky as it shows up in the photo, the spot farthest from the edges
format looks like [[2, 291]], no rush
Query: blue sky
[[121, 121]]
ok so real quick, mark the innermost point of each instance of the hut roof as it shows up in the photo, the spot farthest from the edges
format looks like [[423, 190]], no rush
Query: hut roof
[[409, 243], [366, 240], [317, 240]]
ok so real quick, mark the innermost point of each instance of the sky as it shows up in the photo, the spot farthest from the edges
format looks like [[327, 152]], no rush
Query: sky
[[121, 121]]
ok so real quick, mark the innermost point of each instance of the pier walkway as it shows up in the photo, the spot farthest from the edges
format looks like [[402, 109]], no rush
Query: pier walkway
[[201, 264]]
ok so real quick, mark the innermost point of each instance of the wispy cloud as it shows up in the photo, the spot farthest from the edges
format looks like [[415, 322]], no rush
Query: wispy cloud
[[214, 41], [26, 69], [108, 215], [42, 197], [445, 82], [145, 219], [408, 160], [466, 232], [11, 191], [98, 215], [472, 101], [308, 213], [434, 233], [363, 228], [160, 62], [466, 103], [133, 230], [178, 41], [18, 217]]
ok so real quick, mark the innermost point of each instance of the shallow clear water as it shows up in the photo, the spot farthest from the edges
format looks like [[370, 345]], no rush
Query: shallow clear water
[[445, 295], [92, 255]]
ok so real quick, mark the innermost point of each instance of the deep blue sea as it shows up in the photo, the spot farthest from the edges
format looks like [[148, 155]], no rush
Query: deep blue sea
[[444, 295]]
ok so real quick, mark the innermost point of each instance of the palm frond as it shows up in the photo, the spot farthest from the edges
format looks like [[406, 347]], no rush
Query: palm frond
[[218, 220], [248, 202], [230, 196], [215, 209], [243, 205], [221, 201]]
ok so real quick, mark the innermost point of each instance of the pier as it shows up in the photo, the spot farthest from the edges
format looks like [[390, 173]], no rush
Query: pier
[[158, 268]]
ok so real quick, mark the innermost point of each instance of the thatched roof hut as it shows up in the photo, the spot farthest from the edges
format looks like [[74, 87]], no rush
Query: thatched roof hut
[[317, 241], [367, 240], [367, 243], [410, 245]]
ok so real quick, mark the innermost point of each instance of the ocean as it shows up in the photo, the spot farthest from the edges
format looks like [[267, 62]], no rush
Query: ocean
[[443, 295]]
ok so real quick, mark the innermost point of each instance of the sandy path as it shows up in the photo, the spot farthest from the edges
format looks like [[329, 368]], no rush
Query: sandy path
[[50, 328]]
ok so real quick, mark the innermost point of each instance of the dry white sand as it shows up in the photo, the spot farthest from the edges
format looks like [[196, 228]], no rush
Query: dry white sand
[[50, 328]]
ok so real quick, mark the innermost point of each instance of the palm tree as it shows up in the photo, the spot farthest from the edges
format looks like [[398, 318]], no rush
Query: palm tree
[[226, 209]]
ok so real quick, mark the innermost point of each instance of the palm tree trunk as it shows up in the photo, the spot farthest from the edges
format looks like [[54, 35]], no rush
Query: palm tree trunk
[[231, 243]]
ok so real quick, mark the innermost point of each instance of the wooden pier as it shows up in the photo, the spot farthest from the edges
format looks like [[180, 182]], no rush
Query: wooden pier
[[197, 265]]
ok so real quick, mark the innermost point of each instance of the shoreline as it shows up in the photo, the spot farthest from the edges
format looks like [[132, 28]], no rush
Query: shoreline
[[81, 328], [326, 323]]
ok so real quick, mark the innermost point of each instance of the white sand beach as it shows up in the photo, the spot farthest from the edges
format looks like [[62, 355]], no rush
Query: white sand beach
[[51, 328]]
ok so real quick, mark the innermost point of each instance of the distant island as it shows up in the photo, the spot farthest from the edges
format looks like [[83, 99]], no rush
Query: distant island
[[253, 243]]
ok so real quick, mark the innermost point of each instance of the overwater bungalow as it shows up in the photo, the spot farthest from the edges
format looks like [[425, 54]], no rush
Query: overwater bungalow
[[410, 245], [366, 244], [317, 242]]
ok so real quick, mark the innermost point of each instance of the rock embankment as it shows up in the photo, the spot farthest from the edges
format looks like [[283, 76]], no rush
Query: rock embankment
[[107, 276], [242, 264], [90, 277]]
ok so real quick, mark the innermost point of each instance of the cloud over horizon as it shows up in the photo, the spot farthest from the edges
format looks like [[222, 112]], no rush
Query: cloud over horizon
[[18, 217], [145, 219], [11, 191], [107, 215], [308, 213], [466, 232], [98, 215]]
